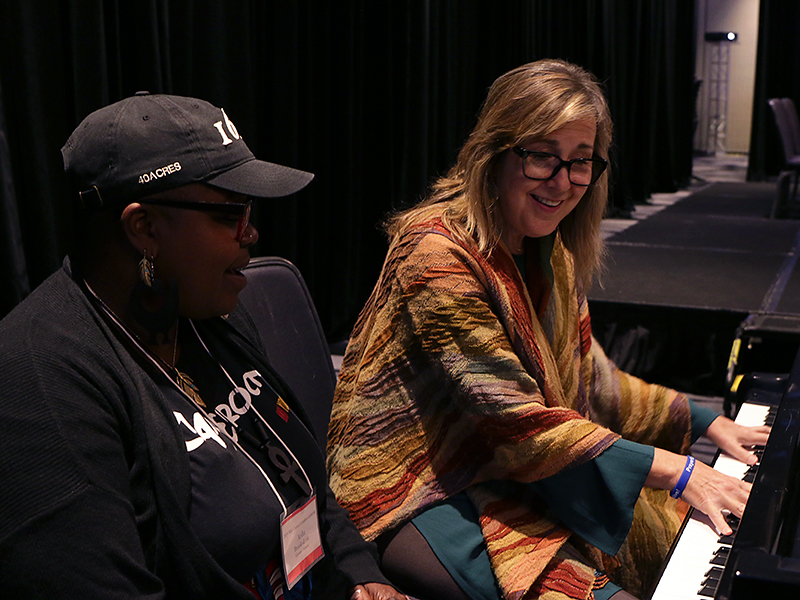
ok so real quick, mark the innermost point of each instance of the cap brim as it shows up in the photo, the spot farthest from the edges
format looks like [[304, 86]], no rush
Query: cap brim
[[262, 179]]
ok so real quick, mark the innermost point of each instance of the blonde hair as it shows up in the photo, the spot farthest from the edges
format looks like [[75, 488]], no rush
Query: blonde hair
[[530, 101]]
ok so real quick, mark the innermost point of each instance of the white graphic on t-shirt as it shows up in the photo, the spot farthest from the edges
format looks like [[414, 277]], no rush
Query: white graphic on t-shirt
[[202, 429], [240, 400]]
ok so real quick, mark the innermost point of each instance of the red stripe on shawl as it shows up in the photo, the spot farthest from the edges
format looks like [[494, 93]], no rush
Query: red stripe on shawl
[[551, 534], [368, 509], [523, 542], [563, 577], [585, 325], [504, 267], [365, 511]]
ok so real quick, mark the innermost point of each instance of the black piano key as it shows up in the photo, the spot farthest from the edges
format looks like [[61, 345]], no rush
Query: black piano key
[[720, 556], [714, 572], [708, 591], [727, 539]]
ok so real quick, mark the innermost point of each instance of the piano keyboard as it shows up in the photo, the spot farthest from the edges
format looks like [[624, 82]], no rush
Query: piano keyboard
[[699, 556]]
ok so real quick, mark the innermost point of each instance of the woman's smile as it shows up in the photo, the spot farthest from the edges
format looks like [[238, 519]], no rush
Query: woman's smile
[[546, 202]]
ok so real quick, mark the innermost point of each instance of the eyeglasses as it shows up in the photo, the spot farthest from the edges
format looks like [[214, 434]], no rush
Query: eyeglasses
[[542, 166], [238, 209]]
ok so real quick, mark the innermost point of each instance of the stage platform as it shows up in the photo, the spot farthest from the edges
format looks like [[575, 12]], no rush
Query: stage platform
[[682, 281]]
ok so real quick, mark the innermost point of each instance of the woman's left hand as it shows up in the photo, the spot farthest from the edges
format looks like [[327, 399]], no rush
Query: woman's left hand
[[737, 440], [376, 591]]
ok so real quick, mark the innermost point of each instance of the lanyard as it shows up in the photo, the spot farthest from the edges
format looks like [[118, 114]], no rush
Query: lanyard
[[259, 422], [160, 365]]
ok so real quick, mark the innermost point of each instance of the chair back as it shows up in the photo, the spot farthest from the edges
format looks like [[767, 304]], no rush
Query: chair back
[[277, 298], [793, 122], [789, 138]]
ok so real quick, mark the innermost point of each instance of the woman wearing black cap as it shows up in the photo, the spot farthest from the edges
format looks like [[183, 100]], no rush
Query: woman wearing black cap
[[146, 448]]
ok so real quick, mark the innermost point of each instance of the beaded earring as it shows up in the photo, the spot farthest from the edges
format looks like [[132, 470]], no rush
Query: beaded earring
[[147, 270]]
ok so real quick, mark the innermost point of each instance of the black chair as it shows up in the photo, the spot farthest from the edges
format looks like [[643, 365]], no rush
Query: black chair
[[785, 116], [788, 135], [787, 122], [782, 205], [793, 121], [278, 300]]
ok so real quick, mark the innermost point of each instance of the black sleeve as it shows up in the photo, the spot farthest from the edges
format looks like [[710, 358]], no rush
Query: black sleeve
[[354, 557], [67, 521]]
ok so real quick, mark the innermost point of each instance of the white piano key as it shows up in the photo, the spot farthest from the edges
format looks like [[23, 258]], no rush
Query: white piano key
[[752, 414]]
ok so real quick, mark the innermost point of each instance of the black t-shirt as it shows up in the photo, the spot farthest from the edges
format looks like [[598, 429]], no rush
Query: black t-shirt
[[236, 505]]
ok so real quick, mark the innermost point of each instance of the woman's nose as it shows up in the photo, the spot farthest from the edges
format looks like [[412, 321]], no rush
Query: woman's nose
[[561, 180]]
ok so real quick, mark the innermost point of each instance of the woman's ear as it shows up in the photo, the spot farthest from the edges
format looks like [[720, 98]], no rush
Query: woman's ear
[[138, 225]]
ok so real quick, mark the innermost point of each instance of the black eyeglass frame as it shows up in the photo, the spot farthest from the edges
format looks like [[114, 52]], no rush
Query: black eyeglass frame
[[599, 165], [240, 209]]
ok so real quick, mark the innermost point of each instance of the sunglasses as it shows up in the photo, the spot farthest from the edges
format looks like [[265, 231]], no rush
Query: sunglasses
[[237, 209]]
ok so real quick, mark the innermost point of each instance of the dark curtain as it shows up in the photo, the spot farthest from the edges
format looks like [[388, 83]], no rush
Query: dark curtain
[[777, 76], [644, 52], [375, 98]]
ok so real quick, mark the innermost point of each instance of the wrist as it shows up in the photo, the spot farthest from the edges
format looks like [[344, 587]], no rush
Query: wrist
[[677, 491], [666, 469]]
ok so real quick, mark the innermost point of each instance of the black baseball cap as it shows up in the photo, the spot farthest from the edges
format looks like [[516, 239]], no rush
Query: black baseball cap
[[150, 143]]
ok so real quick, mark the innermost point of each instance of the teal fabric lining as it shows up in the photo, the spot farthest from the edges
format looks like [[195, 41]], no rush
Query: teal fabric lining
[[452, 531], [596, 499], [701, 419], [607, 591], [615, 477]]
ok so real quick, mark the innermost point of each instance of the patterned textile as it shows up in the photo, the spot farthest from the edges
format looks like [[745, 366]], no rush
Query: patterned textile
[[270, 584], [451, 383]]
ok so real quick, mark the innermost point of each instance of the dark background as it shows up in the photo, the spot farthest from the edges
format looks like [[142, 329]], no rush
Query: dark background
[[374, 97]]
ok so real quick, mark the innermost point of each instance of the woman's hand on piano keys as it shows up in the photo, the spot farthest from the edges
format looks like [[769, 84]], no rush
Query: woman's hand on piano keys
[[711, 492], [737, 440]]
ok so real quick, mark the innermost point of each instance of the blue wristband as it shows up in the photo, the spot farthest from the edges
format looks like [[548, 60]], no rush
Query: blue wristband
[[684, 478]]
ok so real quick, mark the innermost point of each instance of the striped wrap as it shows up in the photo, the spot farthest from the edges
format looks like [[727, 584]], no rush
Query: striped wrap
[[450, 382]]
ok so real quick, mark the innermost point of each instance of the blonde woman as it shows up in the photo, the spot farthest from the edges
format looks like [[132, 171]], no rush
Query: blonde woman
[[479, 433]]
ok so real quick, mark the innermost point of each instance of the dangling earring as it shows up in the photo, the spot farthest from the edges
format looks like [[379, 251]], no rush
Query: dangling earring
[[154, 303], [147, 270]]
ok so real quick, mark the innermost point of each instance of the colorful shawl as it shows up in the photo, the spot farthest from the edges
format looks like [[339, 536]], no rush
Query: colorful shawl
[[450, 382]]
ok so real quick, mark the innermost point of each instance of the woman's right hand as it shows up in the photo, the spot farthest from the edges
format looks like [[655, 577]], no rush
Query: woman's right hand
[[707, 490]]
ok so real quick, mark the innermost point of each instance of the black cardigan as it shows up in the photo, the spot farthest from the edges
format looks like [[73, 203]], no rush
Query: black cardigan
[[95, 475]]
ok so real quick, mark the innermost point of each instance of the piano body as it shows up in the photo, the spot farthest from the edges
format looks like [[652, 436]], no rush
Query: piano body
[[761, 560]]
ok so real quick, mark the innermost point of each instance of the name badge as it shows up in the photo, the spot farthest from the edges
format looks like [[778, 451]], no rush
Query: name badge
[[300, 539]]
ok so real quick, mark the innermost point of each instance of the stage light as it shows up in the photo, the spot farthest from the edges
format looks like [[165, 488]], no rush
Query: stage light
[[721, 36]]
